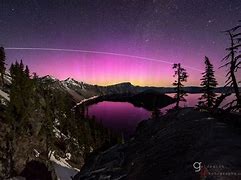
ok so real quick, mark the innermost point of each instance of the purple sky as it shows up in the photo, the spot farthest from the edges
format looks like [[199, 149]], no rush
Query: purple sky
[[173, 31], [107, 69]]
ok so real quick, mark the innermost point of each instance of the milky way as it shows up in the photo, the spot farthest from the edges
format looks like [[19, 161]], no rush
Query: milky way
[[173, 31]]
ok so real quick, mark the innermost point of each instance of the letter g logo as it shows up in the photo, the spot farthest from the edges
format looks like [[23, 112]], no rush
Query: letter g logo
[[197, 166]]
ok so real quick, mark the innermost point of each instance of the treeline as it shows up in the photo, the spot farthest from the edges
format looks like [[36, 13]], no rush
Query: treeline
[[43, 114], [232, 61]]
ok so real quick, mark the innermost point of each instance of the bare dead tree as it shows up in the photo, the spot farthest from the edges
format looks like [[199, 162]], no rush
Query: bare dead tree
[[2, 64], [233, 63], [182, 76], [220, 99]]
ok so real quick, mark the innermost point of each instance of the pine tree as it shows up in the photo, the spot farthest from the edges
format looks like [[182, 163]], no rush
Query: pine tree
[[208, 82], [21, 65], [181, 75], [21, 94], [26, 71], [2, 64], [18, 109]]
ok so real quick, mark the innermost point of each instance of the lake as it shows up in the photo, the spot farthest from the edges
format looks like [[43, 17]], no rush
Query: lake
[[124, 117], [118, 116]]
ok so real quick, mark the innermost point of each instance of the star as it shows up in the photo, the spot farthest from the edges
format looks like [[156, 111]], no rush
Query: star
[[164, 29], [210, 21]]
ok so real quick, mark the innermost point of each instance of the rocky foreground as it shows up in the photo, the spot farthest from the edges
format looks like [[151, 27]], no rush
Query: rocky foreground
[[166, 149]]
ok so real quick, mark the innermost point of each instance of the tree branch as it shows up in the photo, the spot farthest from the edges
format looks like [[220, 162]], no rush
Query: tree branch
[[226, 64], [238, 34], [226, 57], [220, 99]]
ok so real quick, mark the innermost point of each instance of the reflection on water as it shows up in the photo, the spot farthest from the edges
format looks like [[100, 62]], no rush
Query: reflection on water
[[124, 117], [119, 116], [192, 101]]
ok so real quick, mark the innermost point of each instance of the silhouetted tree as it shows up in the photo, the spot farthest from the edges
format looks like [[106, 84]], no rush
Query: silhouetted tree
[[27, 71], [233, 63], [2, 64], [208, 82], [19, 108], [181, 75], [156, 113], [21, 92]]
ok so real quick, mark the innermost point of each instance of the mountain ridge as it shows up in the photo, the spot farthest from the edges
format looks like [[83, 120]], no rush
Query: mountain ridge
[[128, 87], [80, 90]]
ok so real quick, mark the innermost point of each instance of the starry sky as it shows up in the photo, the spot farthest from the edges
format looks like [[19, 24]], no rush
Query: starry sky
[[140, 38]]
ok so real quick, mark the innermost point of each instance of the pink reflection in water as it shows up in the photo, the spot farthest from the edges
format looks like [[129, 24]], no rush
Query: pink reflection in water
[[119, 116], [124, 117], [192, 101]]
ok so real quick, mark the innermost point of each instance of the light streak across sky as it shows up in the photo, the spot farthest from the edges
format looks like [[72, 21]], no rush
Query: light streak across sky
[[100, 52]]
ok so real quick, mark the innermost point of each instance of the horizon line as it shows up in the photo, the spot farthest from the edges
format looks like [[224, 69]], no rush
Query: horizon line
[[103, 53]]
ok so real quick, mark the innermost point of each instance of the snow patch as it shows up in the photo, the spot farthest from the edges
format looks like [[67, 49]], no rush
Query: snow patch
[[56, 121], [85, 100], [58, 133], [63, 170], [4, 95], [73, 82], [36, 153], [50, 77], [210, 118], [7, 78]]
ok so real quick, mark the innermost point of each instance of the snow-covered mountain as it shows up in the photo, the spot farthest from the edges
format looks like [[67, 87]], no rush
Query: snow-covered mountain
[[80, 90]]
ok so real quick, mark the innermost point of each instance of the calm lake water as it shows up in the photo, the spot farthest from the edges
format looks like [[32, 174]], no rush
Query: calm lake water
[[118, 116], [124, 117]]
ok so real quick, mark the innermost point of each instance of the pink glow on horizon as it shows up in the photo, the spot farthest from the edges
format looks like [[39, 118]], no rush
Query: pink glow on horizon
[[106, 69]]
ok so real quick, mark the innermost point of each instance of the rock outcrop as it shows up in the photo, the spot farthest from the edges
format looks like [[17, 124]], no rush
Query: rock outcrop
[[166, 149]]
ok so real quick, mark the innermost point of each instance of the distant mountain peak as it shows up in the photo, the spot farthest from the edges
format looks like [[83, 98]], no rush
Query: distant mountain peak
[[68, 79], [49, 77], [122, 84], [71, 80], [127, 83]]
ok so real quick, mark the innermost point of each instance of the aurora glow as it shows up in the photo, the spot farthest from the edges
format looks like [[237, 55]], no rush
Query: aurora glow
[[105, 42]]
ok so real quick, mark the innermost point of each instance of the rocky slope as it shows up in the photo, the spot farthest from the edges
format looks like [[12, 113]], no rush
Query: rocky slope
[[153, 150], [30, 149], [166, 148]]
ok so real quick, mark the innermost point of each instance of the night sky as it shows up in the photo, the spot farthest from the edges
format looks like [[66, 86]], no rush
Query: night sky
[[167, 30]]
